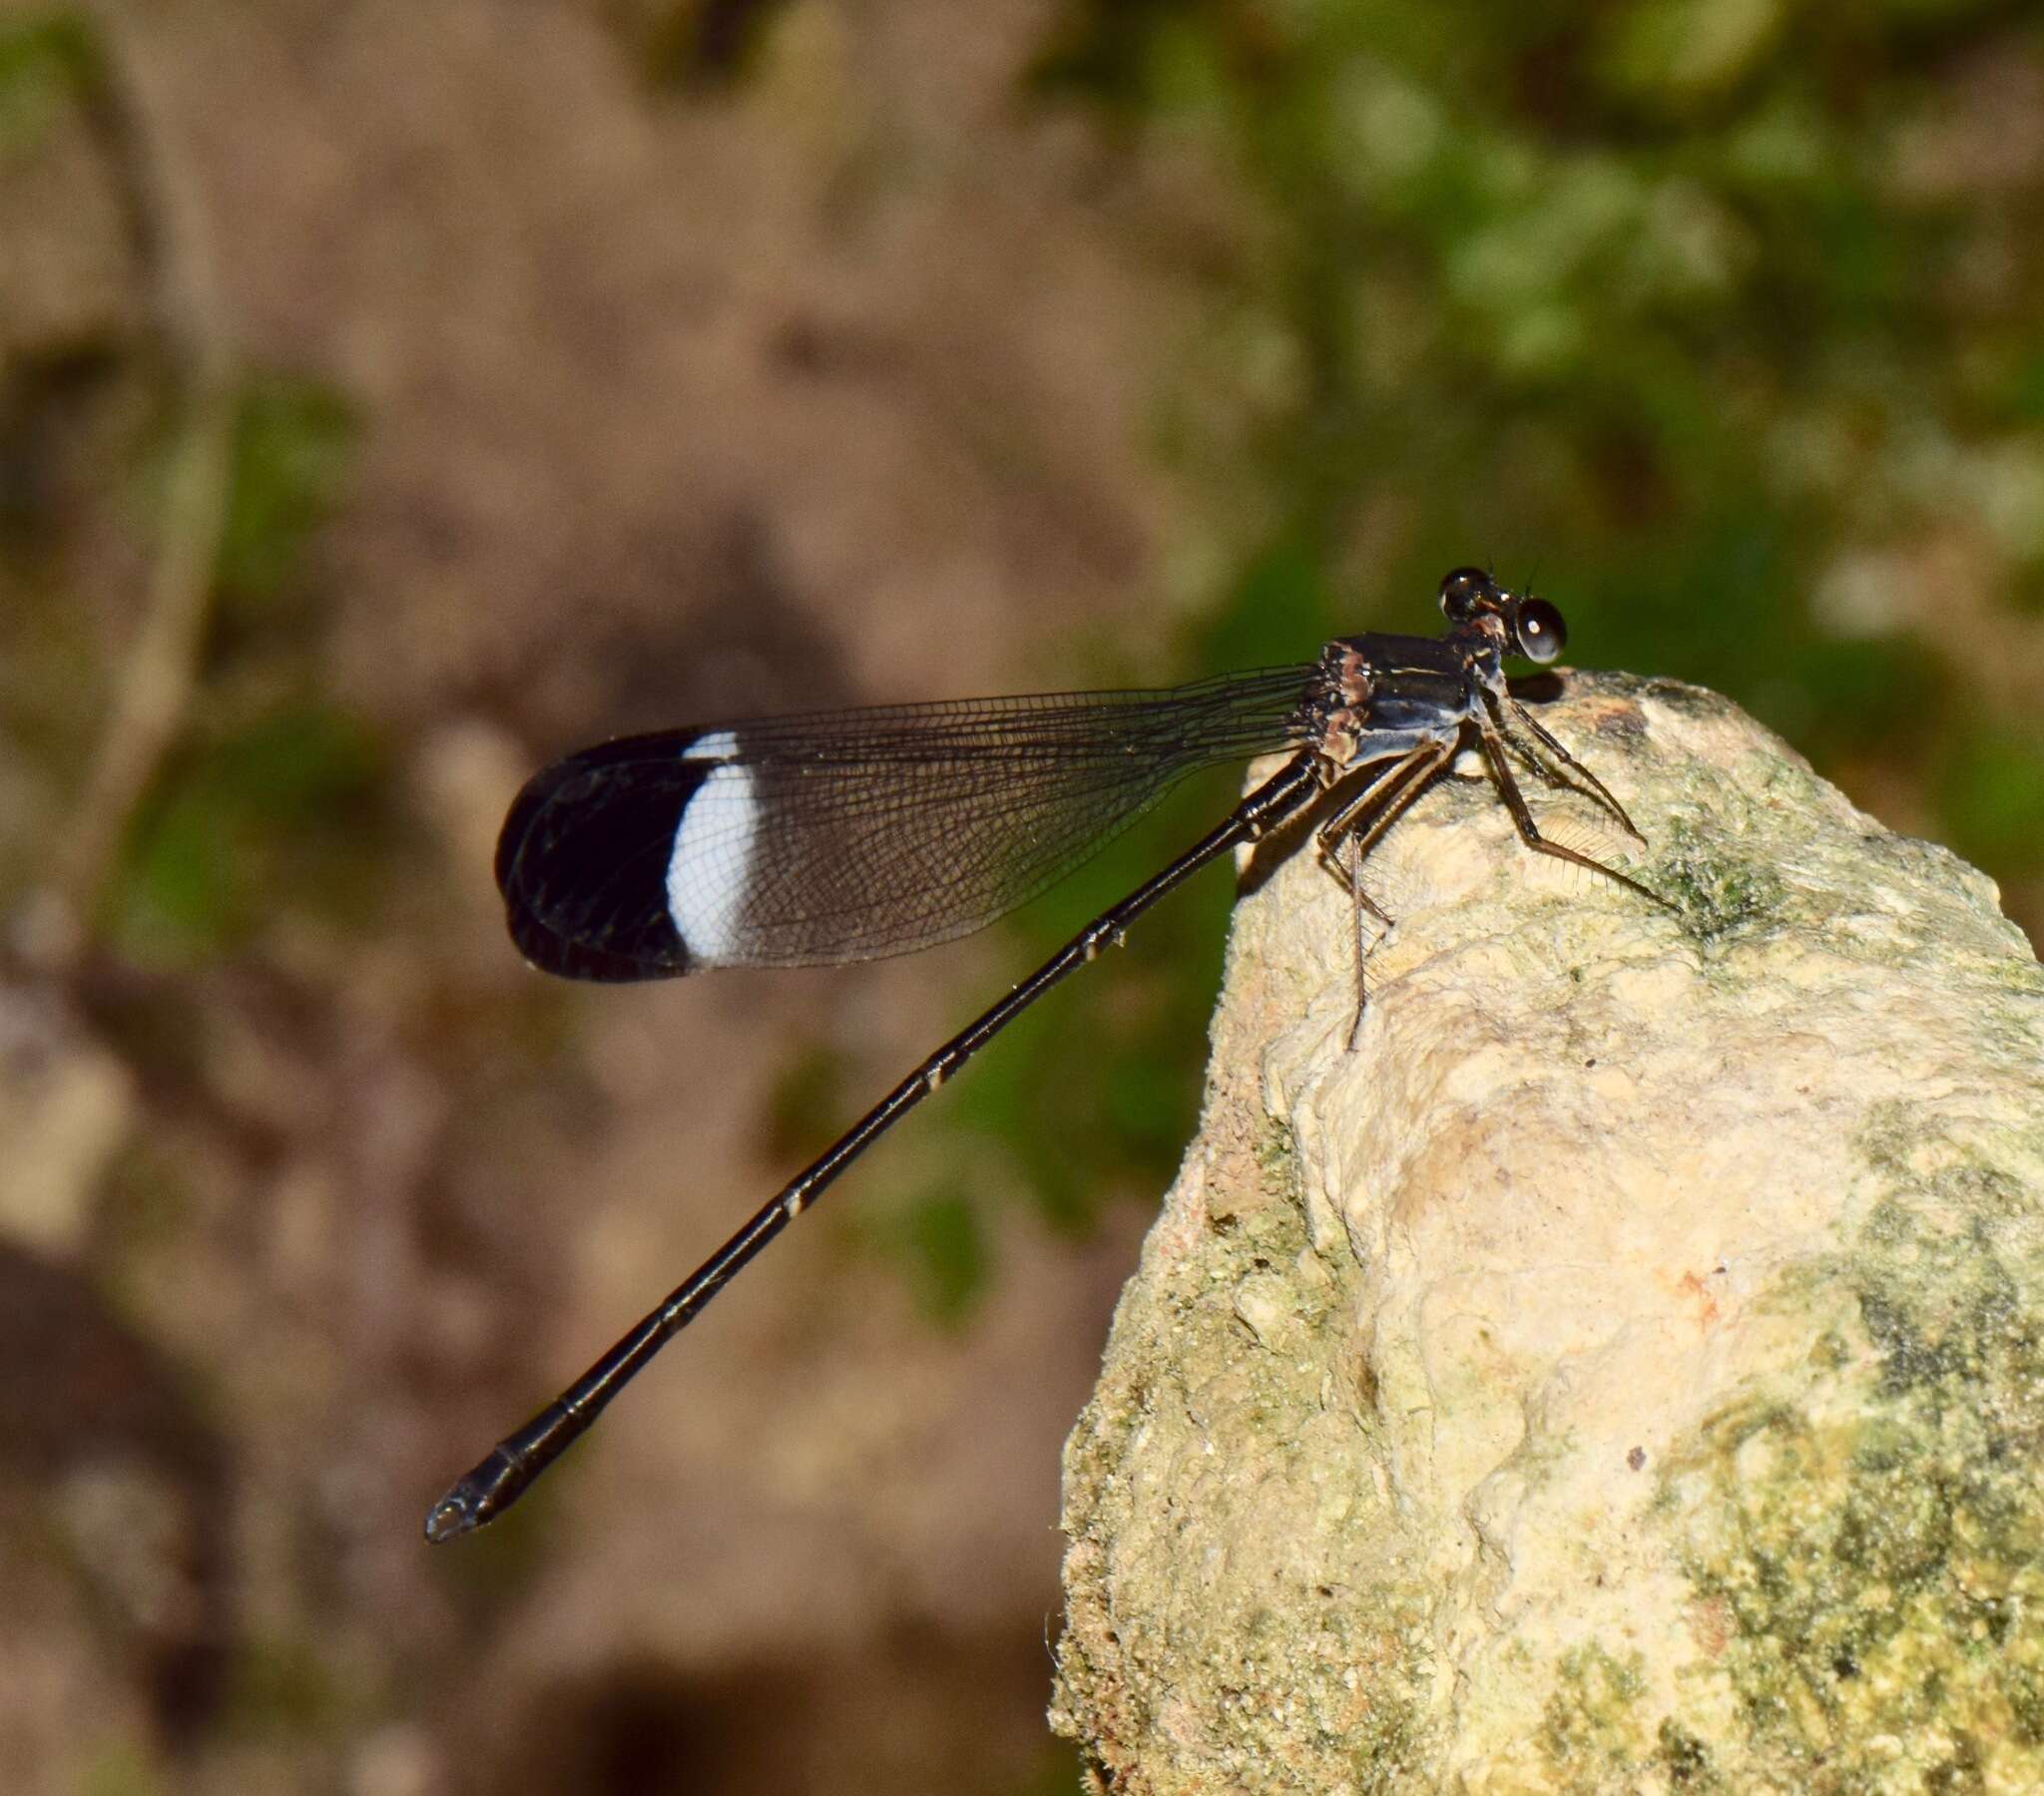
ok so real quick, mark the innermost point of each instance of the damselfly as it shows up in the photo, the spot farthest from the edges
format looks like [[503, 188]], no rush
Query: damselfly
[[848, 835]]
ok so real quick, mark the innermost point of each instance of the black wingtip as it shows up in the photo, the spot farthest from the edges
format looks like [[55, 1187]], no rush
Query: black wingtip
[[582, 866]]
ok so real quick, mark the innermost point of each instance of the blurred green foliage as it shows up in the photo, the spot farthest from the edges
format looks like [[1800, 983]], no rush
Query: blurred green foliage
[[120, 1768], [271, 805], [1631, 287], [46, 58], [267, 817], [293, 446], [1993, 795], [284, 1686], [695, 45], [1058, 1774], [806, 1095], [938, 1237]]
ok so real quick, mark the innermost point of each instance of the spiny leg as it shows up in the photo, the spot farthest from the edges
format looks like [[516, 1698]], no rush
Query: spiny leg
[[1393, 793], [1529, 833], [1362, 945], [1345, 814], [1524, 751], [1341, 827], [1575, 767], [1419, 769], [1532, 757]]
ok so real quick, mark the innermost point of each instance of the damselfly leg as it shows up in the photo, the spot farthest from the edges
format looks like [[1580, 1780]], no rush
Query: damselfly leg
[[1382, 800], [1582, 773], [1495, 754]]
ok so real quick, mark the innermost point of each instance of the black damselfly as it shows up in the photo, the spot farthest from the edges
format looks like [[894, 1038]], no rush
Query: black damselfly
[[848, 835]]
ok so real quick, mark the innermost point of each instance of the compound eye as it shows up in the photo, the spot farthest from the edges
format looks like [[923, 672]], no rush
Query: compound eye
[[1541, 634], [1465, 591]]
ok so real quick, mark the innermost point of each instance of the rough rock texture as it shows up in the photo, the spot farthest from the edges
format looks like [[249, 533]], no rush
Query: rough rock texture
[[1626, 1370]]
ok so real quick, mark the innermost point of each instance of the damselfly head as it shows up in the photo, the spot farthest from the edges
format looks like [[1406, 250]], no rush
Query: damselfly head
[[1466, 592], [1533, 628]]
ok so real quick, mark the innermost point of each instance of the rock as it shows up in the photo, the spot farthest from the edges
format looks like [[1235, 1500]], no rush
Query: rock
[[1625, 1370]]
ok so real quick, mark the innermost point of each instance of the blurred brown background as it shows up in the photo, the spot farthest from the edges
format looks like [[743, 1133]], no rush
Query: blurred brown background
[[394, 395]]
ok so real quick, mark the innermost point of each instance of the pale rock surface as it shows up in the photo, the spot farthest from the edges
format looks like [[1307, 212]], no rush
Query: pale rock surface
[[1623, 1372]]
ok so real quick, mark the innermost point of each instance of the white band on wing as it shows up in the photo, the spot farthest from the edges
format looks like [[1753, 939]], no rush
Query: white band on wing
[[710, 868]]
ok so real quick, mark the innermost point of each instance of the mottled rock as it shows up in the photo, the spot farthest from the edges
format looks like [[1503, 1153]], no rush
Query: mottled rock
[[1625, 1370]]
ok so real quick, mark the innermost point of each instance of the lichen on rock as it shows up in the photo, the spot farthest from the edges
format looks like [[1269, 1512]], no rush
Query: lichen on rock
[[1625, 1369]]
